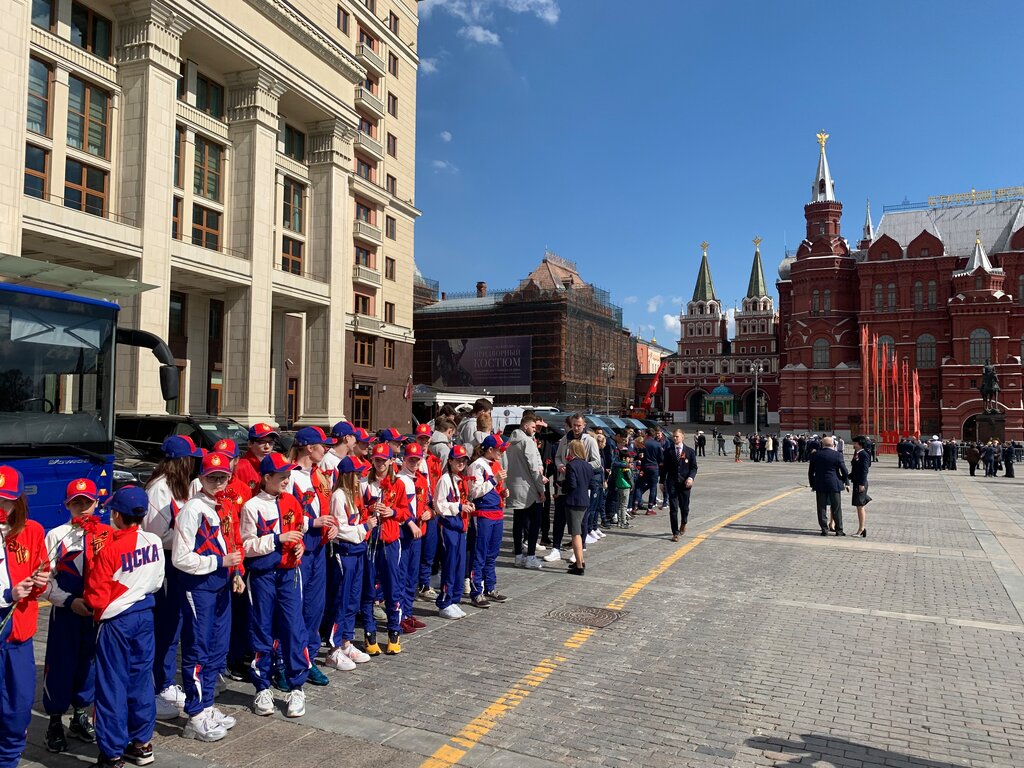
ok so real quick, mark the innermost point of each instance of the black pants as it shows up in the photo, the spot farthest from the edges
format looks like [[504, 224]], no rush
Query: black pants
[[678, 504], [832, 499], [545, 519], [700, 450], [525, 527], [972, 467], [559, 528]]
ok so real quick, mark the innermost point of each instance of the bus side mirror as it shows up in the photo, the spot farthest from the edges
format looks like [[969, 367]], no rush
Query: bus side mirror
[[169, 382]]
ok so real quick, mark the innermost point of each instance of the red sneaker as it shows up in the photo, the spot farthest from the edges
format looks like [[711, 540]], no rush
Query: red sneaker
[[407, 626], [416, 622], [650, 512]]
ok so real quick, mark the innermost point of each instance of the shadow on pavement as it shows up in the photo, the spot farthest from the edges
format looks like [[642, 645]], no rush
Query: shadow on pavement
[[832, 750], [774, 529]]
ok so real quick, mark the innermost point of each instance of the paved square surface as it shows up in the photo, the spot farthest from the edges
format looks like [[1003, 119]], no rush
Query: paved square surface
[[753, 642]]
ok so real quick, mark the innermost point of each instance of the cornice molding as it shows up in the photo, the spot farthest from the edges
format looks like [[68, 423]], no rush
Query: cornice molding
[[150, 31], [253, 95]]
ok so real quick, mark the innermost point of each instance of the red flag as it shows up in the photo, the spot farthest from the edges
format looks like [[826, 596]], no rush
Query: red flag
[[906, 398], [865, 381], [407, 394], [895, 391], [874, 375], [917, 405], [884, 382]]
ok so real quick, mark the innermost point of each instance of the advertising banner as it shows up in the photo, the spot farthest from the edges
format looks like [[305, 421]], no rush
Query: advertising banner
[[500, 364]]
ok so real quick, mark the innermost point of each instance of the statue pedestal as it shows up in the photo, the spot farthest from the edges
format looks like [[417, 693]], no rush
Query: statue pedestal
[[991, 425]]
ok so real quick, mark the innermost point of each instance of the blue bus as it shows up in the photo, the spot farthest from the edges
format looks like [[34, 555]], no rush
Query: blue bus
[[57, 381]]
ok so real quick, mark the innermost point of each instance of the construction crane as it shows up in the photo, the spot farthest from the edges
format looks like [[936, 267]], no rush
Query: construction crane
[[641, 411]]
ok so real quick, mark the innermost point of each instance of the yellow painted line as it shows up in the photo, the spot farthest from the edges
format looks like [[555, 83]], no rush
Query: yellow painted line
[[449, 754]]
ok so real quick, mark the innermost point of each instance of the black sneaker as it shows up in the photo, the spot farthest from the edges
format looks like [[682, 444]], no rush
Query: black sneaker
[[238, 673], [81, 727], [109, 762], [56, 741], [140, 754], [497, 597], [279, 681]]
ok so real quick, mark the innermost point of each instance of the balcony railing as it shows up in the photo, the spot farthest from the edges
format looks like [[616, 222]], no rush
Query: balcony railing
[[366, 275], [370, 144], [371, 102], [366, 55], [367, 231]]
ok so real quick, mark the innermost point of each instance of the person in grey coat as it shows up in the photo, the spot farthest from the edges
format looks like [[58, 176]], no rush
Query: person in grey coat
[[526, 482]]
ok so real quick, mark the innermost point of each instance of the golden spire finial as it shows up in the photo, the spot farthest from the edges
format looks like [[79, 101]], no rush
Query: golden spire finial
[[977, 237], [757, 242], [704, 247], [822, 138]]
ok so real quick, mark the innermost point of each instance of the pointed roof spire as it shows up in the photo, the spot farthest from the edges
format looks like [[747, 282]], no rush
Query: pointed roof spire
[[869, 230], [979, 259], [705, 289], [757, 287], [823, 188]]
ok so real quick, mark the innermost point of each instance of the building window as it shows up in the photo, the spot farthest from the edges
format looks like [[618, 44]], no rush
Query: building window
[[209, 97], [924, 253], [37, 167], [362, 304], [392, 185], [393, 22], [90, 31], [44, 14], [367, 126], [176, 211], [294, 196], [85, 188], [878, 297], [206, 180], [363, 347], [295, 144], [886, 346], [389, 312], [205, 227], [389, 353], [389, 268], [393, 64], [364, 257], [365, 169], [179, 154], [932, 290], [980, 347], [367, 39], [820, 350], [370, 84], [925, 351], [391, 227], [365, 213], [343, 19], [291, 255], [392, 145], [371, 5], [827, 308], [392, 105], [918, 295], [362, 406], [87, 117], [40, 84], [892, 296], [815, 303]]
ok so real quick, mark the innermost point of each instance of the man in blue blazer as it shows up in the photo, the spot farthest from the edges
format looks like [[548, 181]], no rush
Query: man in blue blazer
[[828, 478], [680, 470]]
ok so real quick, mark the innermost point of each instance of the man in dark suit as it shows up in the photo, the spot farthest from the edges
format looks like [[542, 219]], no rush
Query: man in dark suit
[[680, 470], [828, 478]]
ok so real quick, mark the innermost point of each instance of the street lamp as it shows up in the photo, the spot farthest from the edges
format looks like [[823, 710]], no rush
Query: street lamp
[[608, 369], [757, 369]]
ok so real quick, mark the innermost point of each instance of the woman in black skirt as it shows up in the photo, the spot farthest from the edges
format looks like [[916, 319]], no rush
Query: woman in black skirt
[[859, 480]]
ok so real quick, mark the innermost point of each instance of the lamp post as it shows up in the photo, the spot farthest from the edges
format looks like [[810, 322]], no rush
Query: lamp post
[[608, 369], [757, 369]]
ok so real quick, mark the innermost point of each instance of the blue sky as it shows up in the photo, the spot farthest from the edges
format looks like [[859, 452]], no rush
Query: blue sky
[[622, 138]]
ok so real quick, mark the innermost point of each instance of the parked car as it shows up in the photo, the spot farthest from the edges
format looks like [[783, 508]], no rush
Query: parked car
[[147, 432], [131, 467]]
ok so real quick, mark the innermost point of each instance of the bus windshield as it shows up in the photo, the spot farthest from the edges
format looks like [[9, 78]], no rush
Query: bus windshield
[[56, 375]]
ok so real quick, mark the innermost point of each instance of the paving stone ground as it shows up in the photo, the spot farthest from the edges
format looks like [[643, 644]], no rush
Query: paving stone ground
[[764, 645]]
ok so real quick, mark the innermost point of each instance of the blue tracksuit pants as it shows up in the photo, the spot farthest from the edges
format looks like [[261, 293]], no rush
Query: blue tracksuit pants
[[314, 595], [240, 647], [428, 550], [485, 554], [387, 568], [17, 691], [125, 706], [205, 637], [453, 566], [69, 673], [167, 618], [349, 598], [333, 567], [411, 550], [276, 600]]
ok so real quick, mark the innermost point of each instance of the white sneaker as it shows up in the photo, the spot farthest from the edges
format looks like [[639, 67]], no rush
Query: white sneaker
[[540, 547], [533, 563], [355, 654], [462, 613], [227, 722], [552, 556], [339, 660], [520, 561], [599, 533], [572, 558], [203, 728], [450, 612], [296, 703], [174, 694], [467, 587], [166, 710], [263, 704], [591, 539]]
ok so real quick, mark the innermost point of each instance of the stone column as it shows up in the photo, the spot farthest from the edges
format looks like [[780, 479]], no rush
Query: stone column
[[148, 45], [330, 249], [13, 94], [251, 213]]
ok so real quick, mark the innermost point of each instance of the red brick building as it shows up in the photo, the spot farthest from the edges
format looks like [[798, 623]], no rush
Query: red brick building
[[940, 283]]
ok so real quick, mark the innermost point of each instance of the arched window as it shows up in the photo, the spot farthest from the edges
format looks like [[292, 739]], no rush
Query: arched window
[[707, 329], [918, 295], [886, 346], [878, 297], [925, 351], [764, 324], [980, 347], [815, 303], [821, 353], [827, 302], [932, 290], [892, 296]]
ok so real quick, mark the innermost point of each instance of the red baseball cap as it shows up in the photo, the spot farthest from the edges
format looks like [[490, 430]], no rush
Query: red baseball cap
[[83, 486], [215, 462], [261, 431], [229, 447], [414, 450], [381, 451], [423, 430], [458, 452]]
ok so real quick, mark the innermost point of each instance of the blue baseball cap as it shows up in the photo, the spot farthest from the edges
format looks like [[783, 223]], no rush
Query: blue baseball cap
[[12, 483], [313, 436], [181, 447], [262, 431], [275, 462], [130, 501], [343, 429]]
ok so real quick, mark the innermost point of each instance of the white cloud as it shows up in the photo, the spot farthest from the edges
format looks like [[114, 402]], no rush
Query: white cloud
[[476, 11], [477, 34], [630, 300], [428, 66], [446, 136], [444, 166], [654, 302], [671, 323], [677, 299], [545, 10]]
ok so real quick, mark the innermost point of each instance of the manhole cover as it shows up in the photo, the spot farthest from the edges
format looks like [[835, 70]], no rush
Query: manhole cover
[[587, 615]]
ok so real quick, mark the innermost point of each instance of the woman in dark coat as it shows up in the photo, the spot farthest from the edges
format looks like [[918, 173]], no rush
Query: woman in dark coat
[[1008, 458], [859, 466], [973, 456]]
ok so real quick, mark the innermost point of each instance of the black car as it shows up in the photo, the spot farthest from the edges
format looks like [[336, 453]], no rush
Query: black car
[[130, 466], [147, 433]]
